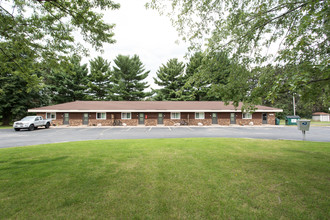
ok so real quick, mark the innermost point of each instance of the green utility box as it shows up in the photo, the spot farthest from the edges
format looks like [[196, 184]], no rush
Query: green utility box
[[277, 121], [292, 120]]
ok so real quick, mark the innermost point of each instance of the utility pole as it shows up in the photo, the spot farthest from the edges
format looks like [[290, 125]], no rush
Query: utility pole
[[294, 106]]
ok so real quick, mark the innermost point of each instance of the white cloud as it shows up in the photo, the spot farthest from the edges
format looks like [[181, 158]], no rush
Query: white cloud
[[142, 32]]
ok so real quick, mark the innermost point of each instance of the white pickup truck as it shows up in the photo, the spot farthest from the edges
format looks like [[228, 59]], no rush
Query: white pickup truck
[[31, 123]]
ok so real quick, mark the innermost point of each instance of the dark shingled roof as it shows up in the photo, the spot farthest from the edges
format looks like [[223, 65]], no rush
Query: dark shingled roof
[[147, 105]]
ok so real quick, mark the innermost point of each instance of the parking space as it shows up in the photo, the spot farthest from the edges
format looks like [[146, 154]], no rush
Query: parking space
[[11, 138]]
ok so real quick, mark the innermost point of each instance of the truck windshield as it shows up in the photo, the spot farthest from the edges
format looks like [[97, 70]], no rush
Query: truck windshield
[[28, 118]]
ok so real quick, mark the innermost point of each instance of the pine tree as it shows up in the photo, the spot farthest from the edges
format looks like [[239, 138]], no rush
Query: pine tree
[[217, 67], [99, 87], [171, 79], [68, 83], [195, 88], [129, 73], [79, 78]]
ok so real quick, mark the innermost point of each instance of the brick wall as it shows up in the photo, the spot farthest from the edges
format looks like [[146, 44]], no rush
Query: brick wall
[[271, 118], [224, 121], [203, 121], [247, 121], [57, 122], [43, 115], [75, 122], [171, 122], [151, 120], [96, 122], [130, 122]]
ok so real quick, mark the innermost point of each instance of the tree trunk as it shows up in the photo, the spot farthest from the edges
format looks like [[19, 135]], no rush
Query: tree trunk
[[6, 118]]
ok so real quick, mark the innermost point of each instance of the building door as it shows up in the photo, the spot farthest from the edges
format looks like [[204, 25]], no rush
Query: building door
[[160, 119], [66, 119], [264, 118], [214, 118], [232, 118], [85, 119], [141, 118]]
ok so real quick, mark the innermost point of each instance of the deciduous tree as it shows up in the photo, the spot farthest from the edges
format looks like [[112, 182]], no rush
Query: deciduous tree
[[51, 29], [18, 92], [287, 33]]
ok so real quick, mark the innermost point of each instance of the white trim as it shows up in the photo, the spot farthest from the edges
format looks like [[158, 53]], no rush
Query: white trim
[[130, 115], [175, 113], [200, 113], [142, 110], [50, 115], [246, 113], [101, 115]]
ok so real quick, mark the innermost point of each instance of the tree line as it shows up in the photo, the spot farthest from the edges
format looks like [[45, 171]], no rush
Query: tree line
[[38, 66], [69, 80], [205, 77]]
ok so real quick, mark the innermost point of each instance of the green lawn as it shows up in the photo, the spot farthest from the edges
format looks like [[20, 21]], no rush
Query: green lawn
[[320, 123], [167, 179], [313, 123], [6, 127]]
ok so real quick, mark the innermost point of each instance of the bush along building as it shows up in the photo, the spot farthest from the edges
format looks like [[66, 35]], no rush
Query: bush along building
[[154, 113]]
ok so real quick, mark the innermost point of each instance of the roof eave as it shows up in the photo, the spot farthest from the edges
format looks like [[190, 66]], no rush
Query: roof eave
[[146, 110]]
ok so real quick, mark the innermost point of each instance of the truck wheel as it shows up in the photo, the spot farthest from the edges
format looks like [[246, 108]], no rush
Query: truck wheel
[[47, 125], [31, 127], [17, 129]]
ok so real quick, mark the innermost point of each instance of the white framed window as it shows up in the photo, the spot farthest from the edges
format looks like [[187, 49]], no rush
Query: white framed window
[[126, 115], [199, 115], [175, 115], [51, 115], [101, 115], [247, 116]]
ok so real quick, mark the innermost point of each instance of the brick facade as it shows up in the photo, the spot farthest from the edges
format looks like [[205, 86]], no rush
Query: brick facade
[[224, 121], [150, 122], [130, 122], [151, 119]]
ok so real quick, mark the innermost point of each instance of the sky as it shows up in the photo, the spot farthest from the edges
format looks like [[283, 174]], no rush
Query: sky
[[142, 32]]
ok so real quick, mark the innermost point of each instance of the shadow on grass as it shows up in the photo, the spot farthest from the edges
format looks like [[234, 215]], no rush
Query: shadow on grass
[[312, 154], [32, 162], [26, 163]]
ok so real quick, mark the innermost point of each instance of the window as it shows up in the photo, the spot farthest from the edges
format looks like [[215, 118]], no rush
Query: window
[[199, 115], [51, 115], [247, 116], [125, 115], [175, 115], [101, 115]]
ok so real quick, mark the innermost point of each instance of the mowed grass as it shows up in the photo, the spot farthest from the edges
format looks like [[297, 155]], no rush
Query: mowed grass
[[313, 123], [6, 127], [166, 179]]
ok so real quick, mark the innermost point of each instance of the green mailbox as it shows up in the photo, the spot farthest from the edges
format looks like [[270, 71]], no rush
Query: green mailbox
[[292, 120]]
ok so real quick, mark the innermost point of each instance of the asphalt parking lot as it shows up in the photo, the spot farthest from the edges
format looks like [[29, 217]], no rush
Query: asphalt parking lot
[[11, 138]]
